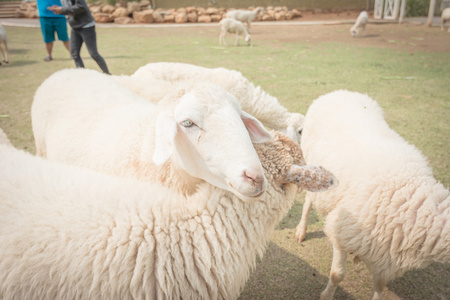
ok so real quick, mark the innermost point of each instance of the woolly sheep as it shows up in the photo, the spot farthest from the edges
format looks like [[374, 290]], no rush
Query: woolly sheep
[[254, 100], [3, 44], [360, 24], [85, 118], [244, 16], [72, 233], [4, 139], [445, 17], [388, 210], [232, 26]]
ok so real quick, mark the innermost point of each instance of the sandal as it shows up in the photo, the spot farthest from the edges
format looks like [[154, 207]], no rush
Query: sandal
[[48, 58]]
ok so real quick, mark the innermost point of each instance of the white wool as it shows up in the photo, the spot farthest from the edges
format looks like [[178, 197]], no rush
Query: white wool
[[360, 24], [86, 118], [388, 210], [72, 233], [228, 25], [445, 17], [3, 44], [245, 16], [253, 99]]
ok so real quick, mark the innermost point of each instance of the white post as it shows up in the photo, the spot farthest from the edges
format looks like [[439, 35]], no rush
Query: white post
[[402, 11], [431, 12]]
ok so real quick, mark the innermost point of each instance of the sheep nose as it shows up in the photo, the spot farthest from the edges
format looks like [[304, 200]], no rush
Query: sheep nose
[[255, 180]]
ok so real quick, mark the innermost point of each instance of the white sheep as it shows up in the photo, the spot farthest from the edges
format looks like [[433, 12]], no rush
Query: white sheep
[[4, 140], [244, 16], [254, 100], [360, 24], [445, 17], [86, 118], [233, 26], [72, 233], [3, 44], [388, 210]]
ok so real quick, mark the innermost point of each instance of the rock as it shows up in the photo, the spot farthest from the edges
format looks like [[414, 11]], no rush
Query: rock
[[157, 17], [103, 18], [216, 18], [108, 9], [181, 17], [280, 16], [145, 16], [169, 18], [133, 6], [297, 13], [120, 12], [123, 20], [204, 19], [192, 17]]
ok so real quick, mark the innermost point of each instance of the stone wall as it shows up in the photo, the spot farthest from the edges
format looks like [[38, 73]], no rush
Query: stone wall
[[141, 12]]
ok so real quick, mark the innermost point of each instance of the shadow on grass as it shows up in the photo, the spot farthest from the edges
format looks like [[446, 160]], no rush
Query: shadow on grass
[[273, 278], [429, 283], [19, 63]]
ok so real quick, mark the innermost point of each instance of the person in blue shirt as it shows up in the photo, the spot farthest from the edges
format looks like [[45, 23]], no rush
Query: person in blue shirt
[[51, 23], [83, 31]]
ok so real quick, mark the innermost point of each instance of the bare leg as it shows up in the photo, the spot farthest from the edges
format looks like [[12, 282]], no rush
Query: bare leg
[[378, 287], [49, 48], [337, 273], [300, 232], [67, 45]]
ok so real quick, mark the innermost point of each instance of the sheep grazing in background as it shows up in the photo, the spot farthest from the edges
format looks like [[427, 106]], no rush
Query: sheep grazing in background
[[253, 100], [245, 16], [198, 133], [445, 17], [232, 26], [72, 233], [3, 44], [388, 210], [360, 24]]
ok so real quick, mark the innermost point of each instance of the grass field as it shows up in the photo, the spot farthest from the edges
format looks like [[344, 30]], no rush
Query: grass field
[[405, 68]]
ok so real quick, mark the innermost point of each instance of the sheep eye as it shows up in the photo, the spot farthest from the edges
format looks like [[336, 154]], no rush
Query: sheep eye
[[187, 123], [300, 131]]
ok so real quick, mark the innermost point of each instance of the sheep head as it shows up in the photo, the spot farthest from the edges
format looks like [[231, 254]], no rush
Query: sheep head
[[204, 131], [282, 160]]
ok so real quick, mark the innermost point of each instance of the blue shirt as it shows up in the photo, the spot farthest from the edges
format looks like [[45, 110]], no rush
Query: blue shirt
[[44, 12]]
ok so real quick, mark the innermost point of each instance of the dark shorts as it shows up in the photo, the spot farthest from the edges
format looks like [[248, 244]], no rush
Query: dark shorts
[[50, 25]]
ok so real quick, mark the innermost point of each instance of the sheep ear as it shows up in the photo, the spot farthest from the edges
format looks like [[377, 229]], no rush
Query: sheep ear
[[312, 178], [258, 134], [165, 131]]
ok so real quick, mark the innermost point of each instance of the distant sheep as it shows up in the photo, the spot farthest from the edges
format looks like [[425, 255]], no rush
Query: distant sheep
[[72, 233], [388, 210], [3, 44], [232, 26], [253, 100], [360, 24], [196, 133], [245, 16], [445, 17]]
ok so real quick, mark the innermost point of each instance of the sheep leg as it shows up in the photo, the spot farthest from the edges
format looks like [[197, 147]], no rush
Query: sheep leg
[[4, 52], [337, 273], [237, 39], [443, 24], [378, 287], [300, 232], [248, 26], [364, 30], [222, 38]]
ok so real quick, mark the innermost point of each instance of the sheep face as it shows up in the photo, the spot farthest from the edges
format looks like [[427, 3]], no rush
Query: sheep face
[[211, 138]]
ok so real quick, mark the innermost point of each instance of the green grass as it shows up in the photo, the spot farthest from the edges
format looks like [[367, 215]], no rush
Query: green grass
[[411, 86]]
